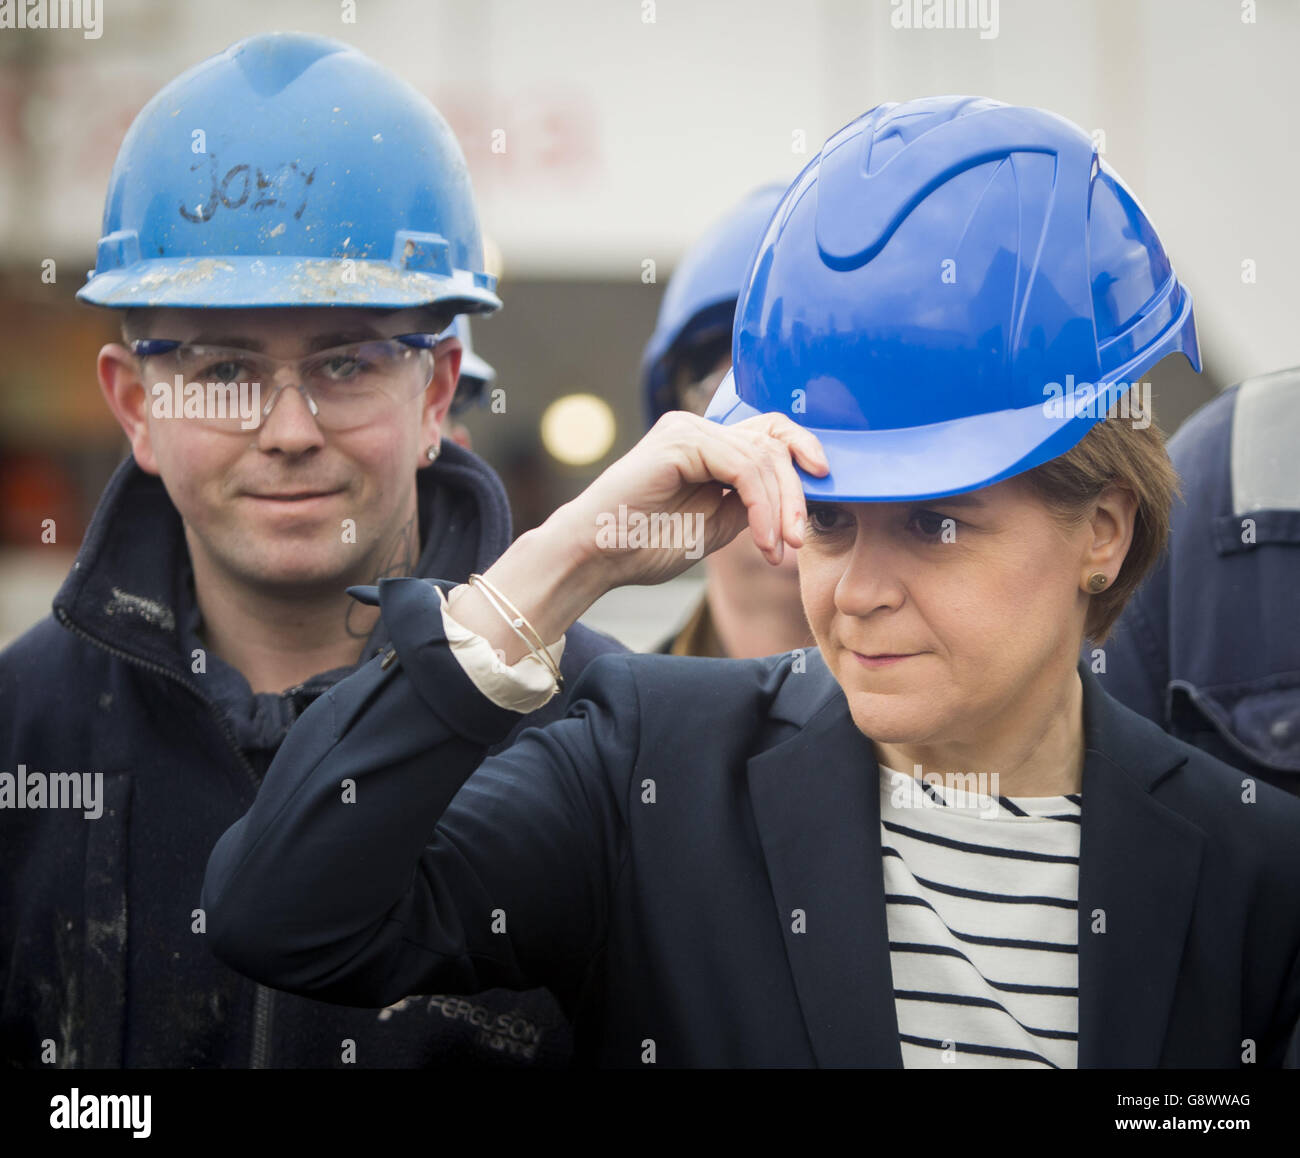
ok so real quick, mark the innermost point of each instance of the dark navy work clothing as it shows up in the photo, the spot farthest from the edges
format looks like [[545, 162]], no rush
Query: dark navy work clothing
[[102, 951], [1209, 647], [691, 861]]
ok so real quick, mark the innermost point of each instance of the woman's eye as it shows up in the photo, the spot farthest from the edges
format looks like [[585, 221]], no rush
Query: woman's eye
[[823, 520], [930, 524]]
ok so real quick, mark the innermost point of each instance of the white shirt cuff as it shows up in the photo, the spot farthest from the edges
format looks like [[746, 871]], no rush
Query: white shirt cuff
[[523, 686]]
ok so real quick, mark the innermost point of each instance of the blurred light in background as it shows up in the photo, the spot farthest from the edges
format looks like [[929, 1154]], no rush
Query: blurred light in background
[[578, 429]]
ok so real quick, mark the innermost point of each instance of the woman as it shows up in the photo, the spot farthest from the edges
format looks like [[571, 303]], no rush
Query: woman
[[931, 841]]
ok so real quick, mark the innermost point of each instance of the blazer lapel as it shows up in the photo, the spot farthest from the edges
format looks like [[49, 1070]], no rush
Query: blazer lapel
[[817, 807], [1139, 866]]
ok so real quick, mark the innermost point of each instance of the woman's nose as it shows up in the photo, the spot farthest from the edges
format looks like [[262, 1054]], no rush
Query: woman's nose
[[871, 578]]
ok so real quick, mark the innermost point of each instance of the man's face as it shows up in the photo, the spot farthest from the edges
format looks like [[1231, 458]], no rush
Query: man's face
[[937, 618], [289, 506]]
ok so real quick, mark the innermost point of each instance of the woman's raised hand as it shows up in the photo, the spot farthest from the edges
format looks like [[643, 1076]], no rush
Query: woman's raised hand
[[687, 488]]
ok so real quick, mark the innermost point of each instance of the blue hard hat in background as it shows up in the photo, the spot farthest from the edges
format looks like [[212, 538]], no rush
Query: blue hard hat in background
[[290, 170], [702, 293], [476, 376], [955, 291]]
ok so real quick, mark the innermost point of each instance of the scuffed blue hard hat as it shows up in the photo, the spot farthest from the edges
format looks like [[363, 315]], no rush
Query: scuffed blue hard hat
[[702, 292], [956, 290], [290, 170]]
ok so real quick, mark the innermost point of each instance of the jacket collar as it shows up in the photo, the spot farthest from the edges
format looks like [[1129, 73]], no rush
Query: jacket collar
[[815, 797], [127, 589]]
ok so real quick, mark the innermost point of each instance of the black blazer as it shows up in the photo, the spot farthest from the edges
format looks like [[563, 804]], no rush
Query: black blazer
[[644, 857]]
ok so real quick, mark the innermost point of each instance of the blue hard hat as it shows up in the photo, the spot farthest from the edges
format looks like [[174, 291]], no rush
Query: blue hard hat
[[956, 290], [290, 170], [701, 294], [476, 376]]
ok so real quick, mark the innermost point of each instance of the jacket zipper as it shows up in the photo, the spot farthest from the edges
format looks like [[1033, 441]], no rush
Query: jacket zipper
[[158, 668], [263, 1005], [263, 1001]]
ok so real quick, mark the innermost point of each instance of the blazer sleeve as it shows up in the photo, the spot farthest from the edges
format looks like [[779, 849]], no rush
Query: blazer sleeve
[[384, 856], [1289, 1009]]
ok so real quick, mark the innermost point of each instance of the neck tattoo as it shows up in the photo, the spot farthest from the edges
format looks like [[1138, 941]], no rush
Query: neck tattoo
[[400, 560]]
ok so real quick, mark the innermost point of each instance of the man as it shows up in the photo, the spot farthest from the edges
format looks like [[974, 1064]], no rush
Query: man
[[274, 462], [1209, 648], [749, 609]]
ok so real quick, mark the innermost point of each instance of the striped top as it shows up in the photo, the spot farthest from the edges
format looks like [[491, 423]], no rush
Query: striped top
[[981, 895]]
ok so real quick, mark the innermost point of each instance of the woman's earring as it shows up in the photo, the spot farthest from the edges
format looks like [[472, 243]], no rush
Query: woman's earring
[[432, 452], [1096, 581]]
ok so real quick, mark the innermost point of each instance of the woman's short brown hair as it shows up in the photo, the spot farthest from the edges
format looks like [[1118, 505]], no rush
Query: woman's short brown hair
[[1115, 452]]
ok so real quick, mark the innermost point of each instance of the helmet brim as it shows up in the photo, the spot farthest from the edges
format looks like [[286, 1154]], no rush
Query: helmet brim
[[952, 457], [262, 282]]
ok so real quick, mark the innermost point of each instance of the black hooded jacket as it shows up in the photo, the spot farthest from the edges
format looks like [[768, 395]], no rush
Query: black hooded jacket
[[103, 955]]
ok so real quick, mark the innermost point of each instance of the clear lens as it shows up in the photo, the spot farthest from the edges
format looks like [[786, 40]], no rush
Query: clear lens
[[354, 385], [215, 364]]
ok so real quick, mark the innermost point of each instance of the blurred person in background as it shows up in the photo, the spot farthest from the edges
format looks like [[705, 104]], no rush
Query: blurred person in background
[[473, 387], [749, 608], [206, 609], [1209, 647], [932, 841]]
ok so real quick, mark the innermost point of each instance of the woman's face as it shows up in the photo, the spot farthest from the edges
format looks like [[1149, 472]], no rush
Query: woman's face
[[942, 619]]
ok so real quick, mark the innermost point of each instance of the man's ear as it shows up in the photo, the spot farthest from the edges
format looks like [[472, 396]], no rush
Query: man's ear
[[119, 379], [441, 389]]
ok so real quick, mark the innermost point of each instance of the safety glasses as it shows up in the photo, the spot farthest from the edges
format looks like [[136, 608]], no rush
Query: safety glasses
[[232, 389]]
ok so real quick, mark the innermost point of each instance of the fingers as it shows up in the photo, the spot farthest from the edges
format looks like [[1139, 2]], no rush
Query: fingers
[[754, 457], [783, 507], [807, 450], [780, 437], [728, 520], [745, 465]]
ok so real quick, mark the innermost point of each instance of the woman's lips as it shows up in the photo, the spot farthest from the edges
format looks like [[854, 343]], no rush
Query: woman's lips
[[884, 659]]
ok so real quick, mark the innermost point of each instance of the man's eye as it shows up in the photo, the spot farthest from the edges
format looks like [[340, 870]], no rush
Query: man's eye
[[225, 371], [342, 368]]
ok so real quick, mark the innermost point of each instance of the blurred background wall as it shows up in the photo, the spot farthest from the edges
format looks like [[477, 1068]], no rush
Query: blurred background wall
[[602, 137]]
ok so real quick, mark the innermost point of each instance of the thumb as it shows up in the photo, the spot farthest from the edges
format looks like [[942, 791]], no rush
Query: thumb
[[728, 520]]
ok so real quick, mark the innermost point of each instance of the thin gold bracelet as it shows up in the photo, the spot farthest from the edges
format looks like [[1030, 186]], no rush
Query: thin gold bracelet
[[539, 650], [501, 611], [520, 619]]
